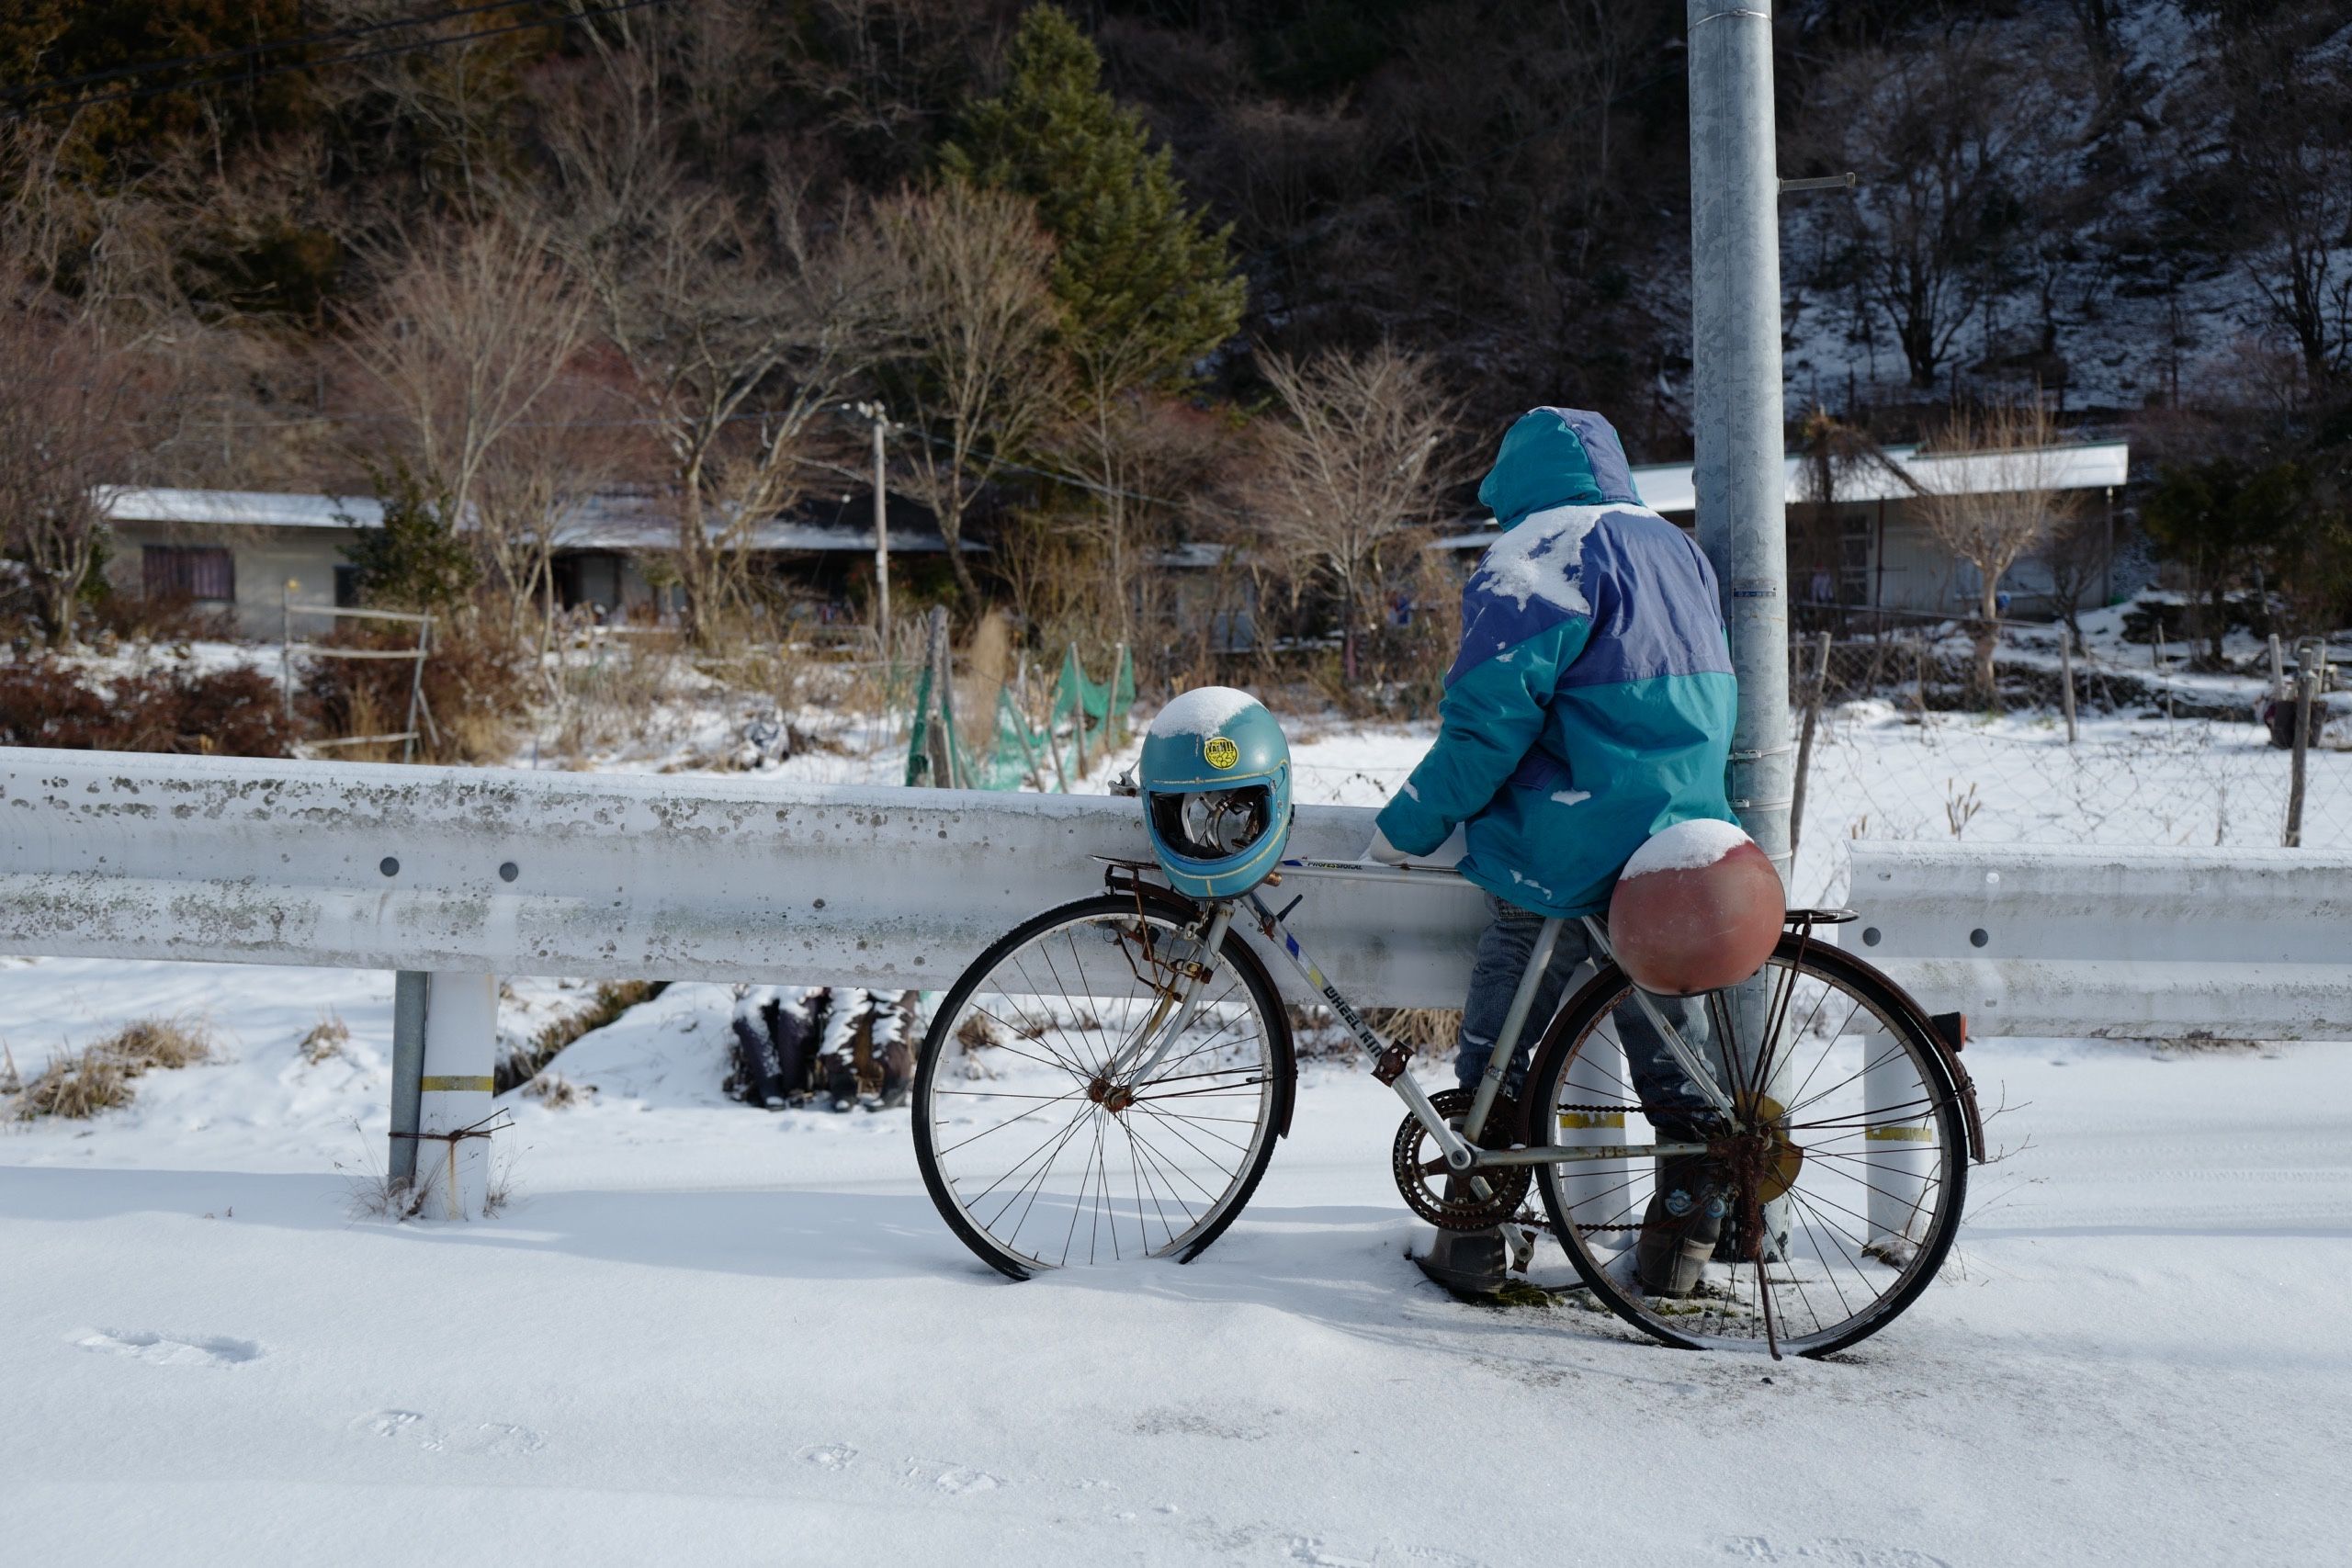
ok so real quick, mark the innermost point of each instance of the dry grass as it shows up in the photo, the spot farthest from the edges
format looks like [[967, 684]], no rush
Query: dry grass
[[326, 1039], [556, 1092], [1418, 1029], [79, 1085], [613, 999]]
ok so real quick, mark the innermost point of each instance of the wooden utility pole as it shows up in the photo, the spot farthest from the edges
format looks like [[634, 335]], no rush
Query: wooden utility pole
[[874, 411]]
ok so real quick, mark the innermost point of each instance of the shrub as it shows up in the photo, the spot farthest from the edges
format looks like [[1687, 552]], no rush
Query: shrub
[[476, 687], [47, 701], [327, 1038]]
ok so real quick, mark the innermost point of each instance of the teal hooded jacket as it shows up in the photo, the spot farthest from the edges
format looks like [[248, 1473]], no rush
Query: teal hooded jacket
[[1592, 702]]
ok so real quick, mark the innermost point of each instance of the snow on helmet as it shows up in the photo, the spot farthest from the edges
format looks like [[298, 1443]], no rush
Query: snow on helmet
[[1697, 908], [1215, 779]]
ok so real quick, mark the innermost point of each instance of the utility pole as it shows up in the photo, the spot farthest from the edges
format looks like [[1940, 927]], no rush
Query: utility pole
[[881, 420], [1735, 379], [1742, 487]]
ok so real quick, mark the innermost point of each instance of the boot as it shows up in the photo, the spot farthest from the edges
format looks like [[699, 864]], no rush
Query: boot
[[1469, 1263], [1681, 1225]]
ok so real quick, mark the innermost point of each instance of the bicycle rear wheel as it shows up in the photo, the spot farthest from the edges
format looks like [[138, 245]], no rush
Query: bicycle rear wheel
[[1812, 1230], [1040, 1157]]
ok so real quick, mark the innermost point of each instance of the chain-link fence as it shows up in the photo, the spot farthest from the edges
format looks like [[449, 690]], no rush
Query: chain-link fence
[[2155, 758]]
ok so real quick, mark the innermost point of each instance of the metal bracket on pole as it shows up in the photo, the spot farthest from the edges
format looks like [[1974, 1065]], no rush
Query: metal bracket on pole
[[1847, 181]]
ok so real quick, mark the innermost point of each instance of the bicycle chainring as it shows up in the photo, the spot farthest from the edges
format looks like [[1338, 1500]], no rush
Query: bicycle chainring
[[1423, 1179]]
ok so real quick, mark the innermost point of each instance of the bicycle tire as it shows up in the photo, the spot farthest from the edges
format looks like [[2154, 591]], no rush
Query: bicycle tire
[[1274, 1109], [1895, 1015]]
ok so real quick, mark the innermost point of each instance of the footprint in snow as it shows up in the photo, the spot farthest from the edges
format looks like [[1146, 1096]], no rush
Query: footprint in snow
[[954, 1479], [828, 1456], [164, 1351], [496, 1439], [1829, 1551]]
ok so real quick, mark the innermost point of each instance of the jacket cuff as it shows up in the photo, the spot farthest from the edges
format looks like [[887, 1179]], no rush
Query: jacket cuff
[[1411, 827]]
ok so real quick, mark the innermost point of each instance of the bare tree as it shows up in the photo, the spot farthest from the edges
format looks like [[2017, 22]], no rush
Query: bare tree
[[469, 331], [968, 298], [1136, 457], [68, 408], [533, 483], [1996, 504], [740, 324], [1937, 132], [1355, 469], [2289, 102]]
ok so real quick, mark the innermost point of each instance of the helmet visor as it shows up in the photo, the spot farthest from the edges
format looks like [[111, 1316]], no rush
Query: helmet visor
[[1213, 824]]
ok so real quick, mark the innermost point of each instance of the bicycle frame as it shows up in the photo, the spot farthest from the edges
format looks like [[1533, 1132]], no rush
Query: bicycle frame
[[1463, 1154]]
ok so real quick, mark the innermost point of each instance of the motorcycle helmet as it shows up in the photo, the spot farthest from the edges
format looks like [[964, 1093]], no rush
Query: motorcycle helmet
[[1214, 782]]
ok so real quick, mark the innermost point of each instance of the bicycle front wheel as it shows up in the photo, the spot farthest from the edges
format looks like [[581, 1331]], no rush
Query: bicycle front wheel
[[1039, 1150], [1810, 1217]]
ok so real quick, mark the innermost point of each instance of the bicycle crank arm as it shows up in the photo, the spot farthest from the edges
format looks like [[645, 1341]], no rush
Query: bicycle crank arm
[[1553, 1153]]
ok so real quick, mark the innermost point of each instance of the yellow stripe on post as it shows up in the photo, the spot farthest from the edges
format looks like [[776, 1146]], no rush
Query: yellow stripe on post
[[1587, 1121], [458, 1086], [1898, 1134]]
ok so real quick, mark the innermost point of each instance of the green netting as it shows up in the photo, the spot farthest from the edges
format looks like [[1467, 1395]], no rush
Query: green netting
[[1022, 756], [1099, 708]]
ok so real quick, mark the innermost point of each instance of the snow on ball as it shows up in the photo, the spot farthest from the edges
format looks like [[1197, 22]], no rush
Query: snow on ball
[[1697, 907]]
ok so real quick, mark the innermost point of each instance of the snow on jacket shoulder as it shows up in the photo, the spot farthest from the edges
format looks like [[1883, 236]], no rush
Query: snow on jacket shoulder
[[1592, 702]]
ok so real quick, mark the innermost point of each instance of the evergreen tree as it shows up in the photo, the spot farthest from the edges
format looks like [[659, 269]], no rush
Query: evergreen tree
[[1143, 283], [2217, 520], [415, 561]]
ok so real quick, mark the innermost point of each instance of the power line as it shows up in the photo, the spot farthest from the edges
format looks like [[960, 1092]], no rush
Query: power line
[[267, 47], [133, 94]]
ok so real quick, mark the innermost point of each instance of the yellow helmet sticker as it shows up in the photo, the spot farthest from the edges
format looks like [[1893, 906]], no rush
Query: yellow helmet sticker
[[1220, 753]]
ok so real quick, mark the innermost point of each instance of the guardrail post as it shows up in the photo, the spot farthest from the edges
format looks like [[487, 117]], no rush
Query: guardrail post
[[1897, 1145], [460, 1051], [408, 1075], [1596, 1077]]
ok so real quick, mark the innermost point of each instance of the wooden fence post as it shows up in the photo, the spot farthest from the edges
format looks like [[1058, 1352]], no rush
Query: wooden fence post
[[2306, 677], [1815, 689], [2066, 678]]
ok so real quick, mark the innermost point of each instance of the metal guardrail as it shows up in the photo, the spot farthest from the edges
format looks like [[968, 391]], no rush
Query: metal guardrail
[[612, 877], [453, 876], [2075, 941]]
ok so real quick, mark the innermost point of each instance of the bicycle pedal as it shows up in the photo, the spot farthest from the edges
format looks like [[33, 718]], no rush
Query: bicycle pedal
[[1521, 1242]]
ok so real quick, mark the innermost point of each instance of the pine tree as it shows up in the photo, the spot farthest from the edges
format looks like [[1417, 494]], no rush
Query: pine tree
[[415, 560], [1142, 281]]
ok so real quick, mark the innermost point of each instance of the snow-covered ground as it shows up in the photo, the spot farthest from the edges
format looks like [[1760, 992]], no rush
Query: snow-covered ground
[[698, 1328]]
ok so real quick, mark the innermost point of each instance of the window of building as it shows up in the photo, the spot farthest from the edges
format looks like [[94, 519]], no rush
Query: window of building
[[188, 572], [347, 588]]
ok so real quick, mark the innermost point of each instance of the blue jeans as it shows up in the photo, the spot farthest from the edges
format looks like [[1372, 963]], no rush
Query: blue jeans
[[1669, 1098]]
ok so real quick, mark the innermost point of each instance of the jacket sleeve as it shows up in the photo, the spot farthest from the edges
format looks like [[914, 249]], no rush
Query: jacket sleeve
[[1491, 716]]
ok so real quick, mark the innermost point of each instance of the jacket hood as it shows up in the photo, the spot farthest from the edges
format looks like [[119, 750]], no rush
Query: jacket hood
[[1557, 457]]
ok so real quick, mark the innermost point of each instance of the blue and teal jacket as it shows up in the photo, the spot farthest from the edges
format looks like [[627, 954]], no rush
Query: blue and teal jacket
[[1592, 702]]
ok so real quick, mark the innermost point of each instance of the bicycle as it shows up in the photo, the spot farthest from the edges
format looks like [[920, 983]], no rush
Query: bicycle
[[1138, 1033]]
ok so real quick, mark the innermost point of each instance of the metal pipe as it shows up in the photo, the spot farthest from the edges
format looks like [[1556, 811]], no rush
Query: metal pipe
[[410, 989], [1741, 486]]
